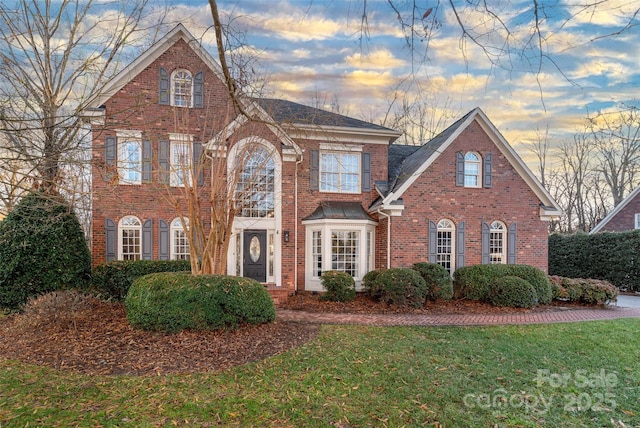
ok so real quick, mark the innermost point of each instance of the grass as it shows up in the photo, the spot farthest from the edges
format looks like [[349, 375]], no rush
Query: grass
[[569, 375]]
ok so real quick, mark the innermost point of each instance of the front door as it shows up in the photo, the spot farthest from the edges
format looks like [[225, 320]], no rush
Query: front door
[[255, 255]]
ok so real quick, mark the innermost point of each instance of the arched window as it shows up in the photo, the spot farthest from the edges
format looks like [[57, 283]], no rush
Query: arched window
[[497, 243], [255, 188], [445, 250], [472, 170], [179, 241], [130, 238], [181, 88]]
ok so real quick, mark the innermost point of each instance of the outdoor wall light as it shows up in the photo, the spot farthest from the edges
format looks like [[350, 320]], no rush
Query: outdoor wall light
[[286, 236]]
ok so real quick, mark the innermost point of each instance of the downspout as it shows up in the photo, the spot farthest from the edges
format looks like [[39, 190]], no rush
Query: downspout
[[388, 236], [295, 227]]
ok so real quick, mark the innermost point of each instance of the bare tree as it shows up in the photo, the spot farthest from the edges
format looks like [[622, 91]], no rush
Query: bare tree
[[54, 56]]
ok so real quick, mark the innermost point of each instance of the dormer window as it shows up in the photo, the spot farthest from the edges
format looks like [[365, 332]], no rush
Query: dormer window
[[181, 88]]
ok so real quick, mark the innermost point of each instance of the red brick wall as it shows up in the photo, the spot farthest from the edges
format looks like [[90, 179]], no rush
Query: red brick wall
[[434, 196], [625, 218]]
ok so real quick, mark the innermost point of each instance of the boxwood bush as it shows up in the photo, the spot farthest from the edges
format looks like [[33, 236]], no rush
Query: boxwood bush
[[176, 301], [42, 249], [368, 280], [340, 286], [439, 283], [475, 282], [112, 280], [513, 291], [400, 286]]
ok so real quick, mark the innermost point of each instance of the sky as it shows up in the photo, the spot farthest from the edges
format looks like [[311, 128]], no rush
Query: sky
[[318, 52]]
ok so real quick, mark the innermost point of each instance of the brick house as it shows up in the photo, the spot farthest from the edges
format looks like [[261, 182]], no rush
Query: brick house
[[625, 216], [334, 193]]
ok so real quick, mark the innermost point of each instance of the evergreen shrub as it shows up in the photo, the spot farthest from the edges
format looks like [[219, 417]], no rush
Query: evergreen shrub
[[340, 286], [439, 283], [401, 287]]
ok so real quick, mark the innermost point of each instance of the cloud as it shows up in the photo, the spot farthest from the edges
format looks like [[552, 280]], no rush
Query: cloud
[[378, 59], [370, 78]]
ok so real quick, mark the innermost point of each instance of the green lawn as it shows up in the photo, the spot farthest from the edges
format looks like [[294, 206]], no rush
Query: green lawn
[[564, 375]]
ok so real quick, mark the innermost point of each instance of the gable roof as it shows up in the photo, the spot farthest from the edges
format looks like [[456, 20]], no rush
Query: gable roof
[[598, 227], [416, 163], [179, 32]]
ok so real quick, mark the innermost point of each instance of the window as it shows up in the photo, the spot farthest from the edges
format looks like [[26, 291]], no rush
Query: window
[[130, 236], [445, 245], [180, 159], [181, 88], [316, 253], [130, 158], [637, 220], [497, 243], [179, 241], [255, 188], [472, 170], [340, 172], [345, 252]]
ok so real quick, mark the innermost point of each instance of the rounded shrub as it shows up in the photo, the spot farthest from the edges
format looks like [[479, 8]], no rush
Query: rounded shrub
[[401, 287], [438, 280], [513, 291], [112, 280], [535, 277], [474, 282], [42, 249], [368, 280], [340, 286], [176, 301]]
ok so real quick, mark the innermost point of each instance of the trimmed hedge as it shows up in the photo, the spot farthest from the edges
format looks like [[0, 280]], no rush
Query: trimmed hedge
[[401, 287], [176, 301], [587, 291], [439, 283], [368, 280], [112, 280], [513, 291], [610, 256], [475, 282], [340, 286], [42, 249]]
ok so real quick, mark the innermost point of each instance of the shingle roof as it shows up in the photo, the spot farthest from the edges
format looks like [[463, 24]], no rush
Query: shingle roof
[[339, 210], [284, 111]]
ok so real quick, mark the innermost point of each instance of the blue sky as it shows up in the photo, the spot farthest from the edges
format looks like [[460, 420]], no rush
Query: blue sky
[[312, 50]]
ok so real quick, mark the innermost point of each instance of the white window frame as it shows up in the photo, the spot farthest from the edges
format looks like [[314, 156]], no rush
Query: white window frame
[[178, 81], [323, 230], [497, 230], [637, 221], [268, 196], [130, 224], [180, 160], [129, 171], [469, 175], [179, 233], [341, 173], [446, 226]]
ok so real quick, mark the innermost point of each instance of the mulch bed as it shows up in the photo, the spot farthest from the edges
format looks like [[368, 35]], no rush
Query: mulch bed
[[96, 338]]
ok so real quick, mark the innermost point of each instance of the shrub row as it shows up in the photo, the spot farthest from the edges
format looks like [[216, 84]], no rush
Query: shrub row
[[112, 280], [614, 257], [587, 291], [478, 282], [176, 301]]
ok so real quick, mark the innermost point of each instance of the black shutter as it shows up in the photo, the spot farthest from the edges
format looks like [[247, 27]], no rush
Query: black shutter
[[198, 90], [163, 161], [197, 163], [460, 250], [366, 172], [433, 241], [110, 157], [511, 244], [488, 173], [459, 169], [315, 170], [111, 239], [146, 162], [147, 240], [486, 235], [163, 86], [163, 237]]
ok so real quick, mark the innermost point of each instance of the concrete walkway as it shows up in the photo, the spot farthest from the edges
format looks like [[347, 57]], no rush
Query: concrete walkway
[[560, 316]]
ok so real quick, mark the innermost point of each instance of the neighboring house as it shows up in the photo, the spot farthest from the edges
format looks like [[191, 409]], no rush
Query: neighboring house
[[625, 216], [335, 193]]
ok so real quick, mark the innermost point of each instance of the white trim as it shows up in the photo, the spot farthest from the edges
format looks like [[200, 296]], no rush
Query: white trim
[[137, 228], [340, 134], [476, 162], [451, 229], [335, 147], [615, 211], [172, 93]]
